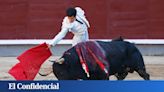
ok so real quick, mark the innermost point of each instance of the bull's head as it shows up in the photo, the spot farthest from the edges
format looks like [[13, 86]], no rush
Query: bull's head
[[60, 69], [60, 61], [68, 66]]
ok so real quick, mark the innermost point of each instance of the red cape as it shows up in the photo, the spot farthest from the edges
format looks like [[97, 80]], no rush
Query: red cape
[[30, 62]]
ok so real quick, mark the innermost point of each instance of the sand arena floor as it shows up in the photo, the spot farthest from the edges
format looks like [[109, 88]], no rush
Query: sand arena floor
[[154, 66]]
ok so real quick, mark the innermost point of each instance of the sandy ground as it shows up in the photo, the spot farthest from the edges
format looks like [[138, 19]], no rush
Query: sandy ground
[[154, 66]]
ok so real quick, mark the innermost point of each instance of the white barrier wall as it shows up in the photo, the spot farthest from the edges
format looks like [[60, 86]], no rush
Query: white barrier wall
[[16, 47]]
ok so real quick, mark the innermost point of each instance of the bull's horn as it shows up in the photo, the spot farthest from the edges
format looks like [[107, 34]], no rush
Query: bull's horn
[[60, 61]]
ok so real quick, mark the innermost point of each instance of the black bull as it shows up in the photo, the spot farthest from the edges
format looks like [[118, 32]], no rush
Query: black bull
[[122, 56]]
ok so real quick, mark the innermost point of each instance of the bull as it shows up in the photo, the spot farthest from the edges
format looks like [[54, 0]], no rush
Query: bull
[[122, 56]]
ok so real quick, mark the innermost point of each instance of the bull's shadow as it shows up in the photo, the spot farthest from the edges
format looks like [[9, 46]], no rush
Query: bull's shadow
[[123, 57]]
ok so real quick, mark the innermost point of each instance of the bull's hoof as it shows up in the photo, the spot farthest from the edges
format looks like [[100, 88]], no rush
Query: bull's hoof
[[143, 74], [147, 77]]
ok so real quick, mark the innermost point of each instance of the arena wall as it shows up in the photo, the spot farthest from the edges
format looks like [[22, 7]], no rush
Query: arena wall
[[41, 19]]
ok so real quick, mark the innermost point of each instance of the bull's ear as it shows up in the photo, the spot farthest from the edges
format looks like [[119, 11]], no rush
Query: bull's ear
[[60, 61]]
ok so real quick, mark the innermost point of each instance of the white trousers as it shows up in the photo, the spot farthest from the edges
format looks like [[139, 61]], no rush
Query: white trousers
[[80, 38]]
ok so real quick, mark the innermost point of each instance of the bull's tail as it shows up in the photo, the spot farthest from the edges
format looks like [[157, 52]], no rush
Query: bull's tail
[[137, 61]]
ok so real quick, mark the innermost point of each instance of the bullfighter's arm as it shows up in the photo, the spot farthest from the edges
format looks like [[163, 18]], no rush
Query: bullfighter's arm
[[59, 36]]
